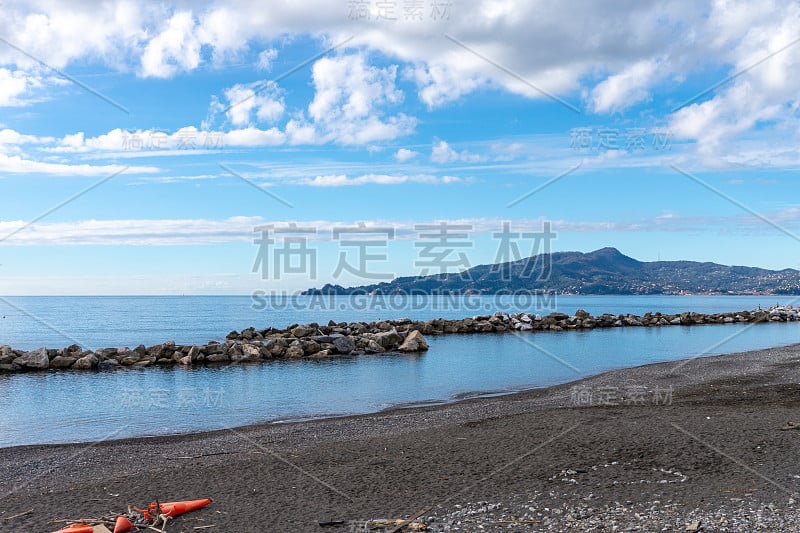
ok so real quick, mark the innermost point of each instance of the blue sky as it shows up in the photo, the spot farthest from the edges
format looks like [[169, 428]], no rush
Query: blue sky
[[141, 147]]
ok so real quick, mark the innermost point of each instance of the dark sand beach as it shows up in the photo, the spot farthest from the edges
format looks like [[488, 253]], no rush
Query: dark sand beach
[[651, 448]]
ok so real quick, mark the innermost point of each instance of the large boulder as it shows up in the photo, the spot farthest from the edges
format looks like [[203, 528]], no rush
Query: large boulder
[[63, 361], [158, 351], [128, 357], [310, 347], [218, 358], [108, 364], [87, 362], [389, 340], [7, 355], [250, 352], [106, 353], [304, 331], [344, 345], [36, 360], [414, 342], [295, 351], [374, 347], [276, 347]]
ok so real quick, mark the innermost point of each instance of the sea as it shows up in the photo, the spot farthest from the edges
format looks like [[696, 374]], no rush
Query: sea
[[60, 407]]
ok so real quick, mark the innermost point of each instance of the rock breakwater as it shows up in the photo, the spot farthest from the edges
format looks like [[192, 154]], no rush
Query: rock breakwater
[[313, 341]]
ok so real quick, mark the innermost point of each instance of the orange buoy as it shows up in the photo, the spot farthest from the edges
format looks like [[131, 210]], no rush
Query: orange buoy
[[176, 508], [146, 512], [76, 528], [123, 524]]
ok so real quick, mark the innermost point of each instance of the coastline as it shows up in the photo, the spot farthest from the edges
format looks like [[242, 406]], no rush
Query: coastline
[[398, 461]]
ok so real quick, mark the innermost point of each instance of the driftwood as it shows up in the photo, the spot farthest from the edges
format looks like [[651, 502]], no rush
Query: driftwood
[[29, 511], [105, 521], [411, 519]]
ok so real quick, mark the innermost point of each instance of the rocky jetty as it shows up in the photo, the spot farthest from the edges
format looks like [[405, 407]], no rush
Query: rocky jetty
[[313, 341]]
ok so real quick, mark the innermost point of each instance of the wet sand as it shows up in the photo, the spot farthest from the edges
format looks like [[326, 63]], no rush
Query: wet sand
[[695, 435]]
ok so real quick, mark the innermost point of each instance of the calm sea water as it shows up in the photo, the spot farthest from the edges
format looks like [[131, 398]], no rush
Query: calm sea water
[[54, 407], [97, 322]]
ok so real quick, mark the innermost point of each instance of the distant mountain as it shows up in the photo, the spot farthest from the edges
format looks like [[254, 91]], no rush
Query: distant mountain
[[604, 271]]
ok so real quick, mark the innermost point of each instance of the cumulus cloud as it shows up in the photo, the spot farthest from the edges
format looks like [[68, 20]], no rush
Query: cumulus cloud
[[12, 138], [761, 94], [175, 48], [442, 152], [349, 100], [626, 88], [545, 45], [440, 83], [254, 137], [349, 107], [613, 54], [260, 102], [15, 85], [404, 154]]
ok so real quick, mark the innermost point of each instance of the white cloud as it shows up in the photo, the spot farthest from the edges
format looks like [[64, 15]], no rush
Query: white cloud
[[254, 137], [546, 45], [141, 232], [11, 139], [18, 165], [15, 85], [146, 143], [443, 153], [266, 58], [176, 232], [761, 95], [404, 154], [626, 88], [222, 29], [613, 54], [259, 102], [349, 105], [176, 179], [348, 102], [299, 132], [441, 83], [176, 48], [342, 180]]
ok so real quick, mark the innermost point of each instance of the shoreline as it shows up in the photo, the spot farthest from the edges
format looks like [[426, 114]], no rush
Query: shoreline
[[401, 406], [737, 402], [551, 392]]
